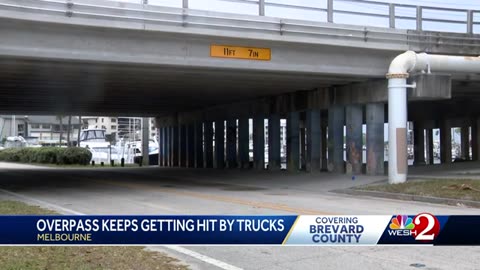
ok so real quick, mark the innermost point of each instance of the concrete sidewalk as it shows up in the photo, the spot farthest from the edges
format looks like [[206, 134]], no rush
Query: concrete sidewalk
[[20, 166]]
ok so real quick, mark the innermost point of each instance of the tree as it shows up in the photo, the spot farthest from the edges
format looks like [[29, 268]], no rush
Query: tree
[[60, 119], [69, 130], [79, 130]]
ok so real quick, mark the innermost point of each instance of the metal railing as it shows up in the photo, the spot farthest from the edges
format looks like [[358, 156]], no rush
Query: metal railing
[[390, 12]]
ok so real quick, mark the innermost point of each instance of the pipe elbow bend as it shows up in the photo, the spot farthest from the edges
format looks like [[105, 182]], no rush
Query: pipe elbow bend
[[401, 65]]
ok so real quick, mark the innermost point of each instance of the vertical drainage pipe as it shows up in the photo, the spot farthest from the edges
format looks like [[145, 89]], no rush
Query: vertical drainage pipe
[[397, 100], [397, 130]]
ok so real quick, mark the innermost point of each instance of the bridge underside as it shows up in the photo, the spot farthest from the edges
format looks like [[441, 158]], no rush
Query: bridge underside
[[54, 87], [203, 115], [325, 81]]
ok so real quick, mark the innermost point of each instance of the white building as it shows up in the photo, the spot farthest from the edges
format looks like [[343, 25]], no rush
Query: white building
[[38, 129], [124, 128]]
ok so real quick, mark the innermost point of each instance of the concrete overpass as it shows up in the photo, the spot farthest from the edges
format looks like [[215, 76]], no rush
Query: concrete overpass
[[106, 57]]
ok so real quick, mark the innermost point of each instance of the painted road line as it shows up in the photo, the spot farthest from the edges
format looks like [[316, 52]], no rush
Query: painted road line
[[218, 198], [199, 256], [188, 252]]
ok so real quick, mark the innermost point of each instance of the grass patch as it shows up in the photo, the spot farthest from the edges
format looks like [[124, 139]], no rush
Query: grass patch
[[441, 188], [60, 257], [19, 208]]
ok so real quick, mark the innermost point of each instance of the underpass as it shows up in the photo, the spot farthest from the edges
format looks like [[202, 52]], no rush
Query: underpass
[[179, 65], [181, 191]]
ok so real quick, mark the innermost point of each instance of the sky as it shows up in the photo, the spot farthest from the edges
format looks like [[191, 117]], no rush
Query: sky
[[250, 7]]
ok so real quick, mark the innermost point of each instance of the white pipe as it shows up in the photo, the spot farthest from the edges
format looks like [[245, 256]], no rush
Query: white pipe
[[397, 100]]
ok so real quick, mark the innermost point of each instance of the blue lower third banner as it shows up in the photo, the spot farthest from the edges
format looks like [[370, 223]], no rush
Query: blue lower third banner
[[421, 229]]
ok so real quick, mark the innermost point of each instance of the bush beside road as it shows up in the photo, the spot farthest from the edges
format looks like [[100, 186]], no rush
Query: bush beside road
[[47, 155]]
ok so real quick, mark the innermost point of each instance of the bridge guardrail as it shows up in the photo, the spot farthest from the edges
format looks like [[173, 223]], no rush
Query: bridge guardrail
[[390, 11], [150, 17]]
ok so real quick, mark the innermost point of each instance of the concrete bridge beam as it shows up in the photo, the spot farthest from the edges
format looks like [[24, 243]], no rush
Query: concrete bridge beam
[[429, 144], [232, 143], [274, 142], [375, 119], [259, 142], [161, 146], [198, 141], [445, 142], [175, 144], [191, 145], [168, 142], [354, 140], [476, 139], [293, 141], [465, 142], [336, 121], [314, 142], [418, 144], [219, 144], [243, 142], [182, 156], [208, 143]]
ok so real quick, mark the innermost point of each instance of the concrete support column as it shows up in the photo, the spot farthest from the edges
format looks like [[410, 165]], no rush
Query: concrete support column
[[336, 120], [465, 143], [476, 140], [161, 146], [274, 142], [324, 145], [232, 143], [145, 140], [182, 156], [429, 144], [243, 143], [165, 146], [418, 144], [445, 142], [219, 145], [293, 141], [176, 146], [354, 140], [208, 145], [166, 161], [303, 146], [314, 141], [375, 114], [190, 146], [259, 142], [198, 141]]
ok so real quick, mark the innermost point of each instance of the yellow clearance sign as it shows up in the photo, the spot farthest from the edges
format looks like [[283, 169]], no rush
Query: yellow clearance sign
[[248, 53]]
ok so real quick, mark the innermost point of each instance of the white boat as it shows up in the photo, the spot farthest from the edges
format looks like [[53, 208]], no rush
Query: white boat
[[102, 151]]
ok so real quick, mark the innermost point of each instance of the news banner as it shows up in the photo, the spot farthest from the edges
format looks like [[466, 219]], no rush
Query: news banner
[[420, 229]]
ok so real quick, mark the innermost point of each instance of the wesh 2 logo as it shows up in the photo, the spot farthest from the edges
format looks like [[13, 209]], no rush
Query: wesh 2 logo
[[423, 227]]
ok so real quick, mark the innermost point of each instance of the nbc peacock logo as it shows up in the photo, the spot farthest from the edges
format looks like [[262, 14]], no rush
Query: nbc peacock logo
[[401, 225], [423, 227], [402, 222]]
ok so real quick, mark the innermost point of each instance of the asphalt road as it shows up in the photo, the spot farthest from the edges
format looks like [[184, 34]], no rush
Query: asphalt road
[[177, 191]]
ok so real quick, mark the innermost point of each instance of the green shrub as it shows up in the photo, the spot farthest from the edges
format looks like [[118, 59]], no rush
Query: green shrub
[[74, 155], [10, 154], [47, 155]]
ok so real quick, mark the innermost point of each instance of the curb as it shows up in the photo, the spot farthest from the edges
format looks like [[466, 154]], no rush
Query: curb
[[408, 197]]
